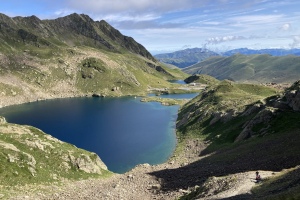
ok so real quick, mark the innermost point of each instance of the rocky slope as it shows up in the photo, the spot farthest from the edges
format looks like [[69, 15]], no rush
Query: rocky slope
[[246, 127], [72, 56], [29, 156], [210, 162]]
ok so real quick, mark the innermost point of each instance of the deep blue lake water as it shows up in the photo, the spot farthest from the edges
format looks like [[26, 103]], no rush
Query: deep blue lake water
[[123, 131]]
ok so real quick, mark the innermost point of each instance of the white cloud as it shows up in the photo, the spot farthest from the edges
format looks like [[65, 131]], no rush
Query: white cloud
[[256, 19], [127, 17], [296, 42], [217, 40], [285, 27], [63, 12], [121, 6], [173, 23], [135, 8]]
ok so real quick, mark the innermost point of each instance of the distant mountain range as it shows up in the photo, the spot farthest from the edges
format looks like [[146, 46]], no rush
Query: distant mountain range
[[250, 68], [185, 58], [188, 57], [273, 52]]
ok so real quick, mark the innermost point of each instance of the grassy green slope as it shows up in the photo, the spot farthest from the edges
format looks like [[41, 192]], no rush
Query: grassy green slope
[[226, 111], [202, 79], [74, 56], [252, 68], [226, 98], [29, 156]]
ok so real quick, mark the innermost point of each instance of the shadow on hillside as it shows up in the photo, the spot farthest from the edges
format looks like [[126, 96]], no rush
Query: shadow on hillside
[[285, 187], [272, 153]]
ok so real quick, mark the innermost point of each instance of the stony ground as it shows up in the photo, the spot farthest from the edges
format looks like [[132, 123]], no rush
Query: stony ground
[[142, 183]]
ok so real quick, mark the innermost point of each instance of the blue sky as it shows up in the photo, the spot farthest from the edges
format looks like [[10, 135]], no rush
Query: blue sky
[[170, 25]]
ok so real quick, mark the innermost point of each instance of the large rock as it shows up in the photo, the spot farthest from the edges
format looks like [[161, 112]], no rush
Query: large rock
[[293, 99], [87, 164], [263, 117], [2, 120]]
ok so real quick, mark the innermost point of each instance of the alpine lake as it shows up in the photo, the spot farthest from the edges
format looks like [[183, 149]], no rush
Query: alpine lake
[[123, 131]]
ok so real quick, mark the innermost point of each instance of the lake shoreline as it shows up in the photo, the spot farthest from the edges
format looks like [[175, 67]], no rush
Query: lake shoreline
[[98, 117], [10, 101], [138, 175]]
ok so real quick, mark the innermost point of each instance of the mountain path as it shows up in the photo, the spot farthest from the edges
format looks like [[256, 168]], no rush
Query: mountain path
[[140, 183]]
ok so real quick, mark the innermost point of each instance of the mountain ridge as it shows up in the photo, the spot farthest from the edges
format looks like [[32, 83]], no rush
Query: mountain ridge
[[273, 52], [73, 56], [186, 57], [250, 68]]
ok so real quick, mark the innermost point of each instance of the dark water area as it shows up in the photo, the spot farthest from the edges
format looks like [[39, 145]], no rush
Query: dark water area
[[176, 96], [124, 132], [178, 81]]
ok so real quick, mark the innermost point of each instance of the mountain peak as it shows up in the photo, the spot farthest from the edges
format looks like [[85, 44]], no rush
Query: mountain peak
[[73, 29], [186, 57]]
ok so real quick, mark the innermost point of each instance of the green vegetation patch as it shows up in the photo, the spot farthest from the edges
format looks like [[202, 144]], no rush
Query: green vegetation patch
[[94, 63], [250, 68], [165, 101], [286, 185], [29, 156], [9, 90], [214, 115]]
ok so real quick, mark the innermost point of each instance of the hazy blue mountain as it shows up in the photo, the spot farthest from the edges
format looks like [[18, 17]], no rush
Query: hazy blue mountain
[[273, 52], [186, 57]]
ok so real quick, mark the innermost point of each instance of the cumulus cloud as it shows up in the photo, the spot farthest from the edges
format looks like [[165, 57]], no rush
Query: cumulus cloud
[[285, 27], [296, 42], [217, 40]]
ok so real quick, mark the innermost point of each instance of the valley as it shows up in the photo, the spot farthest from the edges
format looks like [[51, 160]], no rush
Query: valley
[[245, 118]]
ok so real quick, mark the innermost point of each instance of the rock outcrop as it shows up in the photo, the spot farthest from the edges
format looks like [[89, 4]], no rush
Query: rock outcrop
[[292, 96], [264, 112], [263, 118], [27, 150], [219, 105]]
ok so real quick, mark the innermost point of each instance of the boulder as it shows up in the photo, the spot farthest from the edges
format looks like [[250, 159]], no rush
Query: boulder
[[2, 120], [96, 95], [263, 117], [293, 99], [115, 89], [292, 96], [87, 164]]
